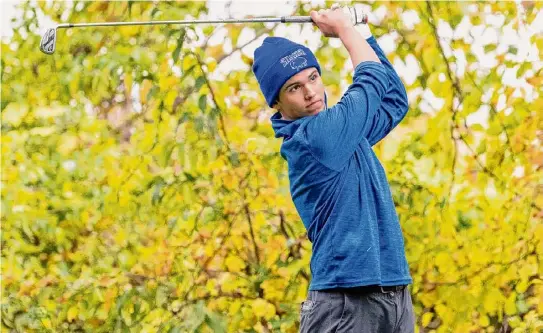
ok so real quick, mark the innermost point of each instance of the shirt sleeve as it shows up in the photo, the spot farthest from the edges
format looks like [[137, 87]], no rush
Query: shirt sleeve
[[394, 106], [334, 134]]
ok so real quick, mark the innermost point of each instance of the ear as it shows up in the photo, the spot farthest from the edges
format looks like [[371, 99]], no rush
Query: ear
[[277, 105]]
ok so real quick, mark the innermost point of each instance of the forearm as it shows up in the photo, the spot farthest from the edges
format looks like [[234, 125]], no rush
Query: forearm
[[357, 46], [397, 89]]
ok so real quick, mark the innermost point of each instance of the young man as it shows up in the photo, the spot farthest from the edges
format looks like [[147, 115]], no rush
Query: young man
[[358, 265]]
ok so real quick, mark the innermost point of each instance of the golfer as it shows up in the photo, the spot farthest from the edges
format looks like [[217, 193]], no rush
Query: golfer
[[359, 272]]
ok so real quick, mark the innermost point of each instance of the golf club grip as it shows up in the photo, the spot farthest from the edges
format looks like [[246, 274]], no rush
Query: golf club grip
[[296, 19]]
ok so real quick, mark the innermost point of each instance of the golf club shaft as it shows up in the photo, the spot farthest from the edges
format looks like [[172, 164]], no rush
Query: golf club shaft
[[284, 19]]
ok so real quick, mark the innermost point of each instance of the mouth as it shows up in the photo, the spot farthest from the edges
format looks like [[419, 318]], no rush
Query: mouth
[[315, 104]]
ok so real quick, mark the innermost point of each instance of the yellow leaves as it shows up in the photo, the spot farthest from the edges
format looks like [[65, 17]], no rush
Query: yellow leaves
[[215, 51], [237, 135], [211, 287], [14, 113], [98, 6], [472, 102], [444, 262], [274, 289], [230, 180], [72, 313], [263, 309], [209, 249], [222, 303], [67, 144], [529, 268], [521, 286], [50, 112], [247, 60], [78, 257], [146, 86], [102, 312], [114, 181], [104, 223], [234, 30], [536, 81], [46, 322], [538, 232], [510, 305], [479, 257], [447, 227], [235, 306], [529, 323], [248, 317], [440, 85], [484, 321], [129, 31], [444, 313], [188, 62], [261, 202], [429, 298], [211, 65], [166, 83], [121, 237], [124, 199], [259, 220], [291, 270], [128, 82], [234, 264], [230, 282], [126, 259], [275, 246], [147, 137], [431, 56], [493, 300], [238, 242], [539, 301], [170, 98], [6, 145], [426, 318], [460, 258]]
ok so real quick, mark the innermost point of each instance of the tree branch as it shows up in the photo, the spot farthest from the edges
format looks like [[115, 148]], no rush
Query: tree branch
[[248, 214]]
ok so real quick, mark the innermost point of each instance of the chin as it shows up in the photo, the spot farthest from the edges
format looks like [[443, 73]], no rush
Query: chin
[[317, 111]]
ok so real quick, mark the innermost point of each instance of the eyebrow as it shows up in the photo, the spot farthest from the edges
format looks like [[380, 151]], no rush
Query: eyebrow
[[298, 82]]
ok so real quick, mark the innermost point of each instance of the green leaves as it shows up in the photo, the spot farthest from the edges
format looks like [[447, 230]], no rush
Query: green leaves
[[200, 81], [179, 47], [202, 103]]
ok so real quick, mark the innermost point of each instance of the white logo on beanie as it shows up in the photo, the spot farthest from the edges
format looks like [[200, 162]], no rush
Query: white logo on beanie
[[294, 59], [298, 63]]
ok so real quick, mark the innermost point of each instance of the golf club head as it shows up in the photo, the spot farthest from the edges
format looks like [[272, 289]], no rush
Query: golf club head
[[48, 41]]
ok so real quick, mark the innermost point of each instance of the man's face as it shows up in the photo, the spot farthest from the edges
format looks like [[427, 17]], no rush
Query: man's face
[[301, 96]]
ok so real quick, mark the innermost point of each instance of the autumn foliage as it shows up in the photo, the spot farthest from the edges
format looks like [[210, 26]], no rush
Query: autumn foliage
[[143, 189]]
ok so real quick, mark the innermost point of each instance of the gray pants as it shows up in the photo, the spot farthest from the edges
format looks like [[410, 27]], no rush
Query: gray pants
[[350, 311]]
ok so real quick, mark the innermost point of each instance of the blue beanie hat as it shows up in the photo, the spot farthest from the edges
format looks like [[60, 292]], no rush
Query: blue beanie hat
[[276, 61]]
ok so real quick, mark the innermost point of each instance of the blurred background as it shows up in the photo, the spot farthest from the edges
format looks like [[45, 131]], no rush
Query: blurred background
[[143, 189]]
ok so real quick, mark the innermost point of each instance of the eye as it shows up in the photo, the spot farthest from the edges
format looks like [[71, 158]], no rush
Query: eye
[[294, 88], [313, 77]]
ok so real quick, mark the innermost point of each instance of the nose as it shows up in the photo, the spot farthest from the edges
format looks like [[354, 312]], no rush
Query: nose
[[309, 93]]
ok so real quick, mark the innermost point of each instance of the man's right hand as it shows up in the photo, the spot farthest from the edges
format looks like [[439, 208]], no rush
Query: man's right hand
[[332, 22]]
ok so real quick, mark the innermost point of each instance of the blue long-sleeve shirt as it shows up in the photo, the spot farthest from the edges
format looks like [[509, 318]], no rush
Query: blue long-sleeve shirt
[[339, 187]]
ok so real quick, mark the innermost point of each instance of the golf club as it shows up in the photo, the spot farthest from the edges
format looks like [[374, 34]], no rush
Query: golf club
[[49, 39]]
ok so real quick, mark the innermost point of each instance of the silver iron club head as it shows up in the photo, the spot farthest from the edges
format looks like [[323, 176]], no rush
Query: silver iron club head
[[48, 41]]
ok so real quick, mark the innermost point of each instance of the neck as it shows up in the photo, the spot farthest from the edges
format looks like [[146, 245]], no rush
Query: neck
[[285, 117]]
